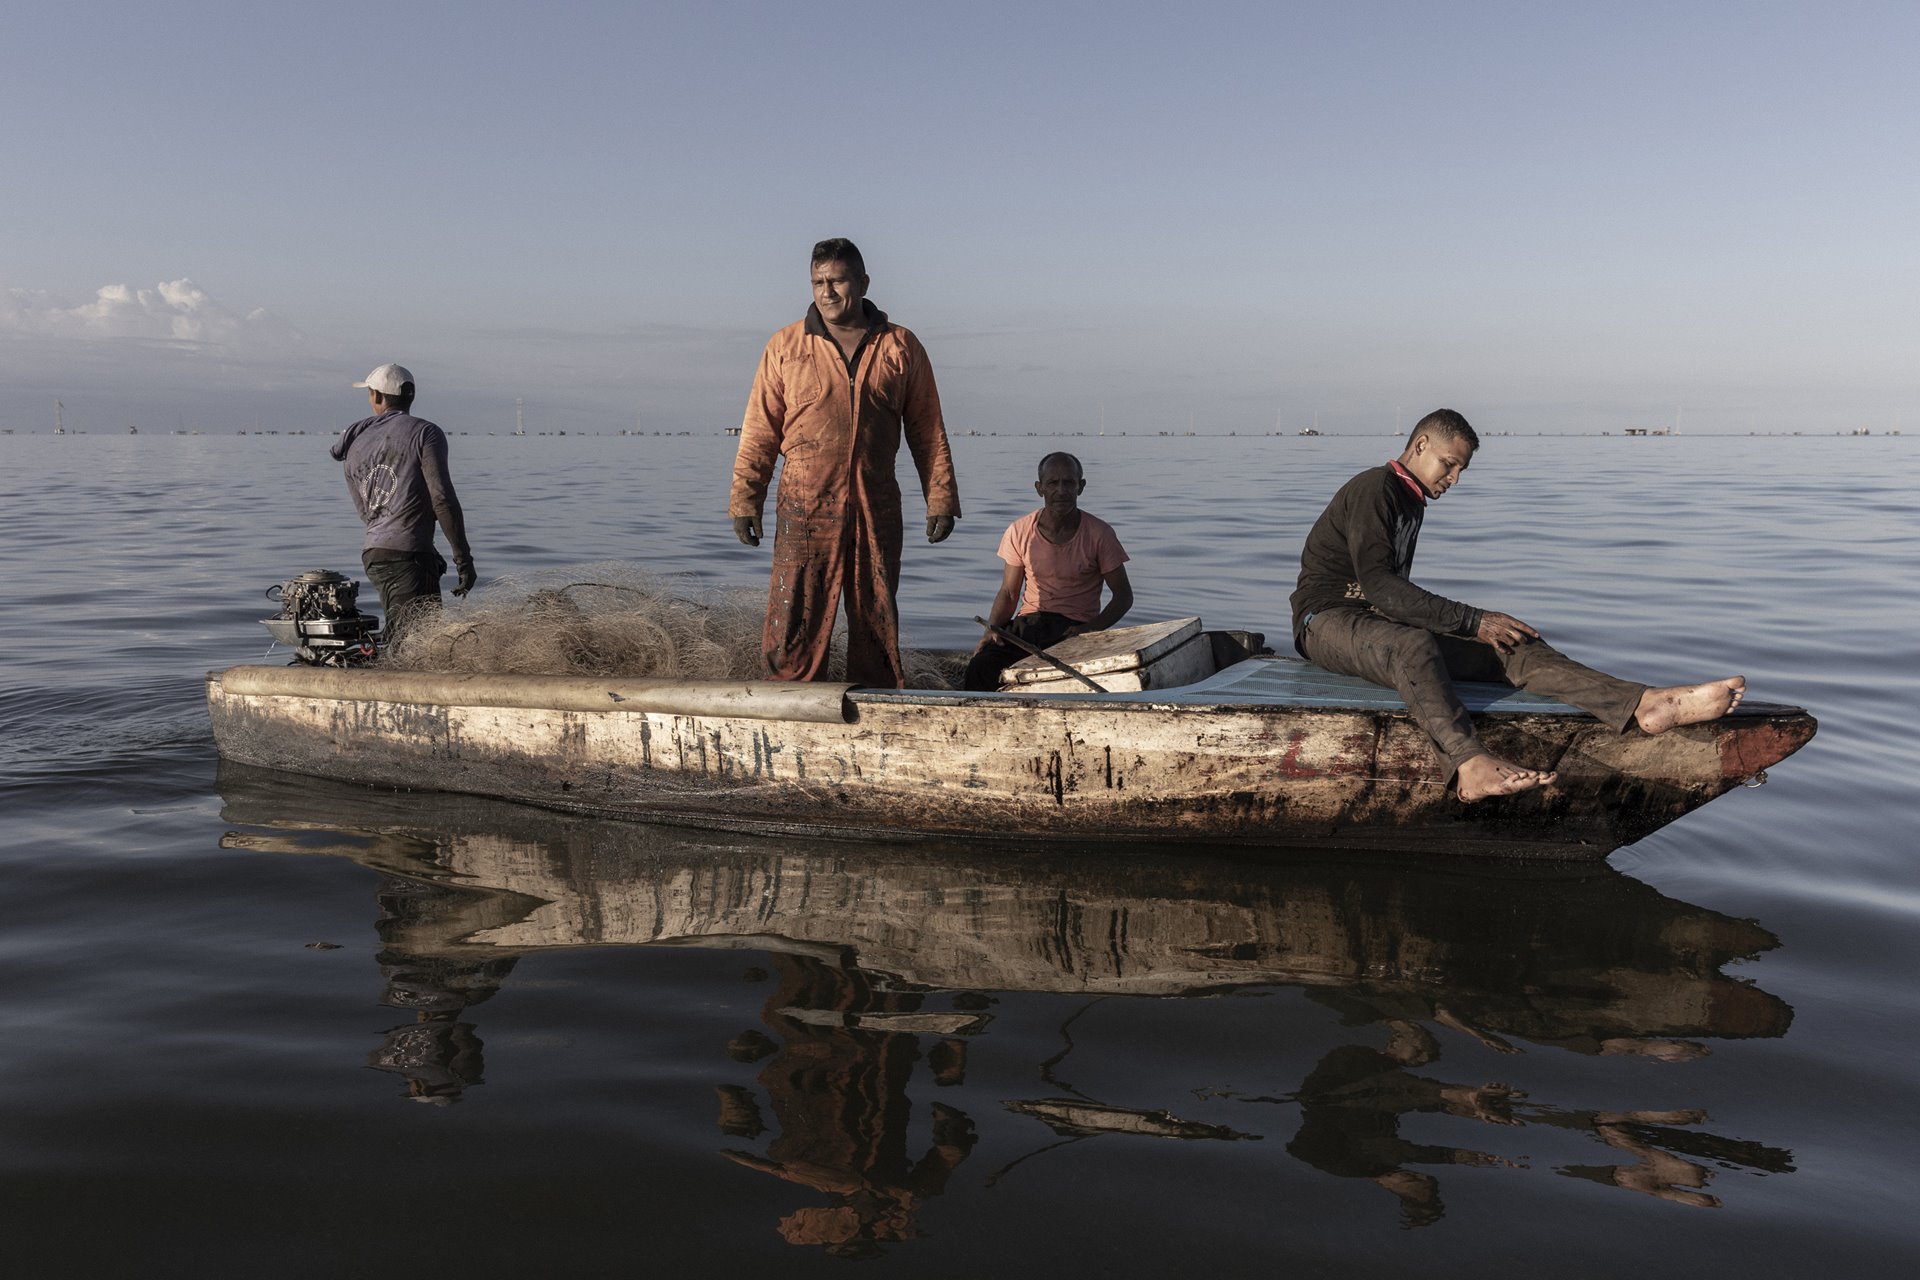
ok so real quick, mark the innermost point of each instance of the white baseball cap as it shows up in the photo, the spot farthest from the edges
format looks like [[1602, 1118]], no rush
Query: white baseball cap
[[387, 379]]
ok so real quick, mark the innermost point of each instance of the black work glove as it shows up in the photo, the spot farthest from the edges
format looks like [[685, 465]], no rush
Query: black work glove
[[747, 529], [938, 527], [467, 579]]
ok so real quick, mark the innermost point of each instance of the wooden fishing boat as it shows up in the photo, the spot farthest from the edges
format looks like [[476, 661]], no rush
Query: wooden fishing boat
[[1266, 750]]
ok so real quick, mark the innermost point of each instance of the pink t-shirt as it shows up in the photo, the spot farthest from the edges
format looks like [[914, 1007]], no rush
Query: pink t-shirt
[[1063, 577]]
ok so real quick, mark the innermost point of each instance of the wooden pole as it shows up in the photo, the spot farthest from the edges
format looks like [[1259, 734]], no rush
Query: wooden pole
[[1039, 653]]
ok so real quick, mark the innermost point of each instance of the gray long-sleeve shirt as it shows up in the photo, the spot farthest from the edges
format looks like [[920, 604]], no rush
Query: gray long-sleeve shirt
[[396, 468]]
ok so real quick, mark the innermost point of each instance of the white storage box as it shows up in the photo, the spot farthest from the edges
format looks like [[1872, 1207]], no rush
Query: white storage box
[[1153, 655]]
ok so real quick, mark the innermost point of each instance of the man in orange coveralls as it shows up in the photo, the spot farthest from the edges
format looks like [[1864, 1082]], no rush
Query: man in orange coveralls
[[832, 395]]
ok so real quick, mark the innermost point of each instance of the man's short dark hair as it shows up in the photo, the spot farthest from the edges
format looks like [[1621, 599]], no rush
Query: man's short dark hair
[[401, 399], [1447, 422], [1079, 472], [840, 249]]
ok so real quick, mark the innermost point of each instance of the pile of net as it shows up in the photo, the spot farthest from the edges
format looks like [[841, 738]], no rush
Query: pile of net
[[611, 619]]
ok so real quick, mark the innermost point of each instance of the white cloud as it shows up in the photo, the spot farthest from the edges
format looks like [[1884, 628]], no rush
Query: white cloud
[[172, 313]]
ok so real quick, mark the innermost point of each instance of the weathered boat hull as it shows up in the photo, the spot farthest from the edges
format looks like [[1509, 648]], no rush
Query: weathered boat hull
[[831, 758]]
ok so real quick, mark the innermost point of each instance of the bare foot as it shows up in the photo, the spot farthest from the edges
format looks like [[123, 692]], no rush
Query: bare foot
[[1657, 1050], [1447, 1018], [1664, 709], [1489, 775], [1491, 1103], [1688, 1115]]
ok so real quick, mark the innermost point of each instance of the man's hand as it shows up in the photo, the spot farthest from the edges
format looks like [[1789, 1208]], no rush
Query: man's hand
[[467, 579], [747, 529], [938, 527], [1503, 631]]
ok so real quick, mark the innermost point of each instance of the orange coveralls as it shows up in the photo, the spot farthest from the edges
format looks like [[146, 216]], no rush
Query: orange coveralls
[[838, 527]]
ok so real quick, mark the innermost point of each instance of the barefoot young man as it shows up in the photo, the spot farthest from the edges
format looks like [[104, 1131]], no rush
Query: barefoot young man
[[1055, 560], [1356, 612]]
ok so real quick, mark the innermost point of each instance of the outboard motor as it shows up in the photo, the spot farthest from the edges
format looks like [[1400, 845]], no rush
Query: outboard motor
[[319, 621]]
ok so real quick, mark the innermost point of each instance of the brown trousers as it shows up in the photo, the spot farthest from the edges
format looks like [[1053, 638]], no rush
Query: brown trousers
[[1422, 667], [816, 564]]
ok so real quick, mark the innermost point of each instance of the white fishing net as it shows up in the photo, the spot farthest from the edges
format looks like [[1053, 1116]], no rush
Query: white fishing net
[[614, 619]]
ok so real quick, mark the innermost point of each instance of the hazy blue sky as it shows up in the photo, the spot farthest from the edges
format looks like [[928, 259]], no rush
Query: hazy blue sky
[[1551, 217]]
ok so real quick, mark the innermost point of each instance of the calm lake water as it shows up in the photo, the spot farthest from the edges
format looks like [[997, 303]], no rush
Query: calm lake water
[[1694, 1060]]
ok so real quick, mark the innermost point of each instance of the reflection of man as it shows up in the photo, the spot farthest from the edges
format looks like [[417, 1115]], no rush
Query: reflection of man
[[833, 394], [840, 1101], [1352, 1103], [1350, 1109], [396, 467], [440, 1055]]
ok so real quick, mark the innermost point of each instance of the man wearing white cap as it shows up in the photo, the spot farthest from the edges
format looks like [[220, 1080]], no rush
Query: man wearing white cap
[[396, 467]]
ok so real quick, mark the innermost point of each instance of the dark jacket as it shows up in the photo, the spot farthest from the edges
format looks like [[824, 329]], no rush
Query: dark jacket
[[1358, 555]]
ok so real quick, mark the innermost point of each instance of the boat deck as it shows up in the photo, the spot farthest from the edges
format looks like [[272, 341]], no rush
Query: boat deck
[[1272, 681], [1268, 681]]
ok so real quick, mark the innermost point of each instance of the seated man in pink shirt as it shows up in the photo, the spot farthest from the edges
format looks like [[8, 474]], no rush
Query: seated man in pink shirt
[[1056, 558]]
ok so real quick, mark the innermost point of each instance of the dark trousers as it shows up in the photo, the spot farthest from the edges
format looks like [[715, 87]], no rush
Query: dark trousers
[[408, 587], [1422, 667], [1037, 629]]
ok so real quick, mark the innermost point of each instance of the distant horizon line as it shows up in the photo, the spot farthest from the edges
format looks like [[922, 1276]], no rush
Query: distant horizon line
[[733, 432]]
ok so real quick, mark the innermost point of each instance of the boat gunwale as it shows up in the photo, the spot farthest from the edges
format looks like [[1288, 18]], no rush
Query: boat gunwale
[[826, 703]]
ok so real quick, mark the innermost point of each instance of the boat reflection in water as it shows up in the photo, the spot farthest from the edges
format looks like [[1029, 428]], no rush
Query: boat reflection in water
[[885, 960]]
